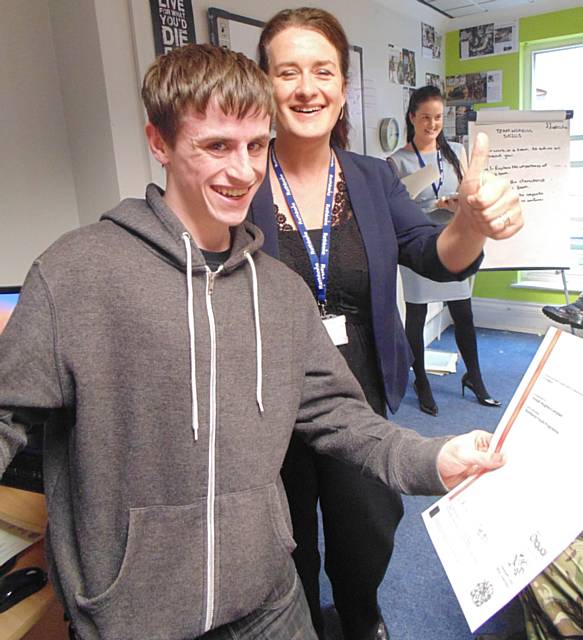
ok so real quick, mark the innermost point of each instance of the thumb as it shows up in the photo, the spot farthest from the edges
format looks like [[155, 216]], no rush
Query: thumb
[[478, 162], [489, 460]]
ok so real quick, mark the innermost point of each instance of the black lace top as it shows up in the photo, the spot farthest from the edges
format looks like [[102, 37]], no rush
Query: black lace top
[[348, 290]]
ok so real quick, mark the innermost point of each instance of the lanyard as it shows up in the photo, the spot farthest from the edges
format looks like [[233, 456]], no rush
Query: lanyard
[[319, 266], [437, 187]]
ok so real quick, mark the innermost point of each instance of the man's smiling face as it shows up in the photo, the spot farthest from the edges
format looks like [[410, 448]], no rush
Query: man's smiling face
[[214, 169]]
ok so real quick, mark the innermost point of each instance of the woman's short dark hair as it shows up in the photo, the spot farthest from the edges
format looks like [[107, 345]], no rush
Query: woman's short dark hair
[[327, 25], [418, 97]]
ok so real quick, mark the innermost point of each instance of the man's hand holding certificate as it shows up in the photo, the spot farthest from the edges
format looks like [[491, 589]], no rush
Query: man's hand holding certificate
[[496, 531]]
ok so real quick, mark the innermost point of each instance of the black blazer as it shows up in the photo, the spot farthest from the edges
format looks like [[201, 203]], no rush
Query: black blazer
[[394, 230]]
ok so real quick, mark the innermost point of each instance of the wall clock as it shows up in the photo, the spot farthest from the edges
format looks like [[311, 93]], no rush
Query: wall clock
[[389, 134]]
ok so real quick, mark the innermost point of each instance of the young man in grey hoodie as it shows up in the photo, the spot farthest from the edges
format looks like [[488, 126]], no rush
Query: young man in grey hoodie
[[169, 390]]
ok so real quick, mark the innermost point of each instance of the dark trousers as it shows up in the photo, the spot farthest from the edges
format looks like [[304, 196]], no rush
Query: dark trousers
[[360, 517], [286, 619]]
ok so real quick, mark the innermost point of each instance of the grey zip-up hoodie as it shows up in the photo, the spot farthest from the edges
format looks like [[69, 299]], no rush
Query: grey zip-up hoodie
[[169, 395]]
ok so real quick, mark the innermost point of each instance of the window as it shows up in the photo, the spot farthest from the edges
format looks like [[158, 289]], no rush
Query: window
[[551, 81]]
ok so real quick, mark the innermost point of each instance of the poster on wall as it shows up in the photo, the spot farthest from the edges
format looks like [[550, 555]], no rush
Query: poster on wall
[[437, 45], [474, 87], [506, 38], [455, 121], [449, 122], [173, 24], [434, 80], [409, 73], [407, 93], [430, 41], [488, 40], [463, 88], [494, 86], [395, 66], [427, 33], [402, 68]]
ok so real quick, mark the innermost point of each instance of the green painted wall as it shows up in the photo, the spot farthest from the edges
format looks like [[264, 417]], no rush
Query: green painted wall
[[558, 24]]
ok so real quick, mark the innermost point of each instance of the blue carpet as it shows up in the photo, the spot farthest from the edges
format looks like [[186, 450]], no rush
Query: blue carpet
[[416, 598]]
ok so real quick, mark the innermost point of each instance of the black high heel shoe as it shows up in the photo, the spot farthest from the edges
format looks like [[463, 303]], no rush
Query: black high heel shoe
[[481, 394], [426, 402]]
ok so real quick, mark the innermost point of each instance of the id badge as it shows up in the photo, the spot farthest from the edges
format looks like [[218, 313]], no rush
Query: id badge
[[336, 328]]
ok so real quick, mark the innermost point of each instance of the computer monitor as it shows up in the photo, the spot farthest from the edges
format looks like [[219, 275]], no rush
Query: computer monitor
[[25, 471], [8, 297]]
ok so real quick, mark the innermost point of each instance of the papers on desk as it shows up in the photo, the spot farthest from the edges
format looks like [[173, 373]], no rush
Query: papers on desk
[[416, 182], [14, 539], [495, 532]]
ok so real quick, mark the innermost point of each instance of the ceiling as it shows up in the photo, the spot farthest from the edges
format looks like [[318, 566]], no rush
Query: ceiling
[[462, 8]]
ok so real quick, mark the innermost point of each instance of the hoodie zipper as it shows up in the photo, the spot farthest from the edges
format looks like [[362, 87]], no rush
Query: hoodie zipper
[[210, 519]]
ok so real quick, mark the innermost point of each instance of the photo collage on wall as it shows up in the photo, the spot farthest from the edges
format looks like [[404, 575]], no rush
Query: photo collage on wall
[[402, 66], [488, 40], [469, 88]]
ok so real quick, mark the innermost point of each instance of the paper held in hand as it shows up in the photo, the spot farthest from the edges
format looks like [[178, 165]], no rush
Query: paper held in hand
[[416, 182], [495, 532]]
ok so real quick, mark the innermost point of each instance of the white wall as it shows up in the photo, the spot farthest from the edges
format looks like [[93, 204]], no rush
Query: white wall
[[123, 84], [84, 95], [70, 101], [38, 194]]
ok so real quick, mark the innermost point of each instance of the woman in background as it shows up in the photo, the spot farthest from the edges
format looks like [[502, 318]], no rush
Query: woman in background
[[426, 144], [320, 205]]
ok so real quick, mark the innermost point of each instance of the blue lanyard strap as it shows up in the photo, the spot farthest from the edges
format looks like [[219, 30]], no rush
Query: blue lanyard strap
[[319, 266], [436, 187]]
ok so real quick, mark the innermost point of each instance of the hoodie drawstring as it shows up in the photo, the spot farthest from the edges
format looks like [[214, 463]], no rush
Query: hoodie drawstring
[[259, 348], [190, 302], [258, 343]]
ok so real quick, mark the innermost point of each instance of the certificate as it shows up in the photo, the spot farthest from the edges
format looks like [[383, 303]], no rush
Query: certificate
[[497, 531]]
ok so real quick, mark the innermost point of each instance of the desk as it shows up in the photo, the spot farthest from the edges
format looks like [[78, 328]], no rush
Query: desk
[[28, 509]]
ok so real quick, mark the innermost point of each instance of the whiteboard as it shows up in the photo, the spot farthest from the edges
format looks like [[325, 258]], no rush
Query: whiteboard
[[241, 34], [531, 149], [355, 102]]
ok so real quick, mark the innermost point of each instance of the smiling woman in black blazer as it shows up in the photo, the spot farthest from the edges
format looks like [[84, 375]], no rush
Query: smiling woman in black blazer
[[369, 225]]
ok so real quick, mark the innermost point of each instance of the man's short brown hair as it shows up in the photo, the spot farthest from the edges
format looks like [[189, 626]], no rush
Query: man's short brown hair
[[190, 76]]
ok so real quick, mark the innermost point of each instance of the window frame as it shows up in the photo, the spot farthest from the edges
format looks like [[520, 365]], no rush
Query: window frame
[[541, 279]]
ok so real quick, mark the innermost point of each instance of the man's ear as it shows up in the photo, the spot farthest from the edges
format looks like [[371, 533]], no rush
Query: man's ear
[[157, 144]]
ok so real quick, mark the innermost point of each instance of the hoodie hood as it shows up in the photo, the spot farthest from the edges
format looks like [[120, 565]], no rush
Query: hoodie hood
[[163, 232]]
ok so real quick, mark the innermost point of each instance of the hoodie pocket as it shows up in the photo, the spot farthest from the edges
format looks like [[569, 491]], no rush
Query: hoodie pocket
[[159, 590], [255, 546]]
